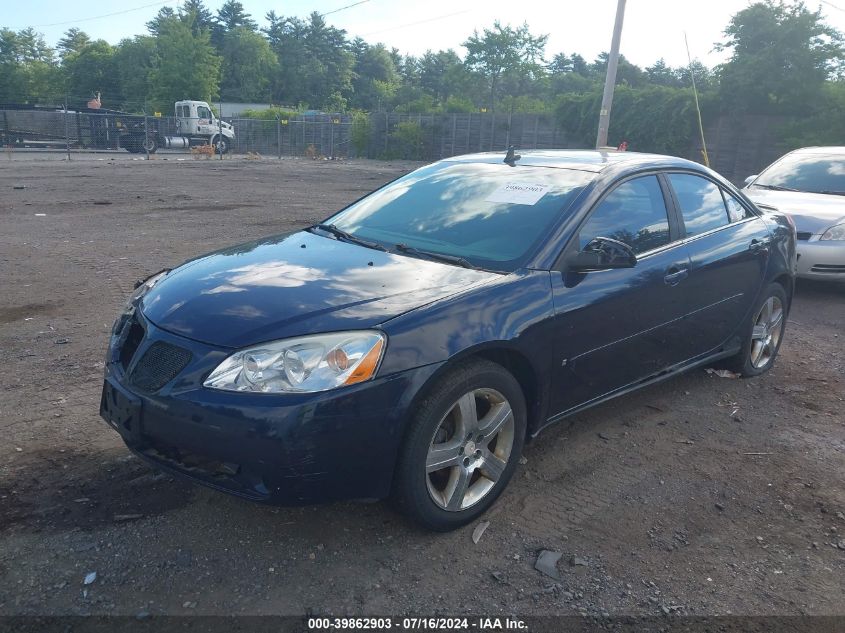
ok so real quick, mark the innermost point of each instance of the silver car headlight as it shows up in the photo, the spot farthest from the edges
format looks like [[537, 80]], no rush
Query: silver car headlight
[[304, 364], [834, 233]]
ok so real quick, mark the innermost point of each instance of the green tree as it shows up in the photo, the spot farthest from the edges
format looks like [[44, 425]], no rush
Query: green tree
[[186, 66], [164, 14], [443, 74], [781, 55], [93, 69], [28, 72], [195, 13], [506, 53], [230, 16], [286, 36], [134, 60], [627, 74], [662, 74], [375, 78], [248, 66], [73, 41]]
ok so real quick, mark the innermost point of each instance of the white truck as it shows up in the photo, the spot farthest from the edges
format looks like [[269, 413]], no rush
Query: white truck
[[195, 125]]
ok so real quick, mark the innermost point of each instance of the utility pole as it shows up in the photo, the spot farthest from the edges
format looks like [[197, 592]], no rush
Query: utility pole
[[220, 130], [67, 133], [610, 79]]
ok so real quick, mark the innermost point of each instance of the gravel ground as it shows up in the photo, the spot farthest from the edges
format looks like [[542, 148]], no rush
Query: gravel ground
[[702, 495]]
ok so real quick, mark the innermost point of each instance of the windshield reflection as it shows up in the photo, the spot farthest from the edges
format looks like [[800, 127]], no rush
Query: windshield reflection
[[458, 209], [813, 174]]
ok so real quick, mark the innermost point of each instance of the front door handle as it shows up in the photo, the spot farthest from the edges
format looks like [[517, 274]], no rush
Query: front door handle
[[674, 275], [758, 245]]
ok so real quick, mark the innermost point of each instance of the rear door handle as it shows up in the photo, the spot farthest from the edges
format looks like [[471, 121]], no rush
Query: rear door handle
[[675, 274]]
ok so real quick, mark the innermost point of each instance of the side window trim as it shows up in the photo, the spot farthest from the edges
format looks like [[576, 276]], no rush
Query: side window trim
[[676, 226], [675, 236]]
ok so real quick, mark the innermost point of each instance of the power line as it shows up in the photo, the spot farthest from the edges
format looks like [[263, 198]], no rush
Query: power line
[[106, 15], [348, 6], [403, 26], [830, 4]]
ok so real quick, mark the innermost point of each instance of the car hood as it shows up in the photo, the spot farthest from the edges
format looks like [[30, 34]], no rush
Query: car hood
[[812, 212], [293, 285]]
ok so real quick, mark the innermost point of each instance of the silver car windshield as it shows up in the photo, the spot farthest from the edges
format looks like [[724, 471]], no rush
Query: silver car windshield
[[813, 173]]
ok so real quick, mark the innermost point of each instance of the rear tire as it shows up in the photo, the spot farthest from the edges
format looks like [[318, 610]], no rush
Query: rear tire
[[150, 144], [763, 334], [462, 447]]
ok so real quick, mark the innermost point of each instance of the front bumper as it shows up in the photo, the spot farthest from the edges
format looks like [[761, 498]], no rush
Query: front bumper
[[823, 260], [285, 449]]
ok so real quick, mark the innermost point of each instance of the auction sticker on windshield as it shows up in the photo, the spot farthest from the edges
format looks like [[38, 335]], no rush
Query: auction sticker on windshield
[[514, 193]]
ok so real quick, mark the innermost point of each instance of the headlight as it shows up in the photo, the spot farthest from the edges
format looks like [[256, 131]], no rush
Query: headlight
[[834, 233], [304, 364]]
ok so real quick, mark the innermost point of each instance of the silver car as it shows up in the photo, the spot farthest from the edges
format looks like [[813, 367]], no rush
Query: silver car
[[809, 185]]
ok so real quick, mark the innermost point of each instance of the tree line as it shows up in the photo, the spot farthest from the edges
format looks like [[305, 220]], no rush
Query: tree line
[[783, 58]]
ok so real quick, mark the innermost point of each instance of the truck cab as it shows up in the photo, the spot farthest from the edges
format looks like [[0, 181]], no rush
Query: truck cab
[[195, 121]]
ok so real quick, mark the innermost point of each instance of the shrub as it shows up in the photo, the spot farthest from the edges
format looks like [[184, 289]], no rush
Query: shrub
[[407, 139], [359, 132]]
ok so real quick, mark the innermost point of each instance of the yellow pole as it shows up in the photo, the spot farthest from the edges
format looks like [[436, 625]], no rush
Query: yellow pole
[[697, 107]]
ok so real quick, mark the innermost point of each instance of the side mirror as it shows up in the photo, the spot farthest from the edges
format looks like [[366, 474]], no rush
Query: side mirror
[[602, 253], [750, 179]]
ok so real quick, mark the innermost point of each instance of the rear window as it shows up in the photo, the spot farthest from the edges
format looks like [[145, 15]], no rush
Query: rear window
[[490, 214]]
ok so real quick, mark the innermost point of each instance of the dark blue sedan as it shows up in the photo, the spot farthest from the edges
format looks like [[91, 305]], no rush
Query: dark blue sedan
[[407, 346]]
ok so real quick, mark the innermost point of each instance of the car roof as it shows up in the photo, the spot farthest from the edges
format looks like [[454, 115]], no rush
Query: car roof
[[833, 150], [585, 160]]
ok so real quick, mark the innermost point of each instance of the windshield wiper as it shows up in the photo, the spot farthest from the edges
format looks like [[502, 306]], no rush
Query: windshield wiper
[[775, 187], [348, 237], [450, 259], [831, 193]]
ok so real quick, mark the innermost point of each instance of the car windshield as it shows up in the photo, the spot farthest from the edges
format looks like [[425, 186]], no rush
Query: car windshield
[[814, 173], [490, 215]]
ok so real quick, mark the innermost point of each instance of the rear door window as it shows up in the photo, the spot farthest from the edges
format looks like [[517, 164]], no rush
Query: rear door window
[[633, 213], [702, 206]]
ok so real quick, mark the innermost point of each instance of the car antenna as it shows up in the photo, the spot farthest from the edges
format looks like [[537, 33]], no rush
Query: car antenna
[[511, 157]]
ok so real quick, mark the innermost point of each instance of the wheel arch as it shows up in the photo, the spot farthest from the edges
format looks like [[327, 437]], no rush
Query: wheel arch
[[514, 361], [787, 281]]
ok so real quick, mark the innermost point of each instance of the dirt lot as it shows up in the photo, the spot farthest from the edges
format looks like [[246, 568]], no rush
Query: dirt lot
[[702, 495]]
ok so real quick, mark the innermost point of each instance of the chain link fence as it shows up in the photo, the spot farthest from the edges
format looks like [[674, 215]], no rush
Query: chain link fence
[[86, 130], [376, 135]]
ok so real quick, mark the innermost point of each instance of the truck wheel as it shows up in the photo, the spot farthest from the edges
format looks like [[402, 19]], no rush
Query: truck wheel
[[150, 145], [221, 144]]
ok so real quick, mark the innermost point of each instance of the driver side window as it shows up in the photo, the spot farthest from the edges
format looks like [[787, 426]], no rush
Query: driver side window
[[633, 213], [203, 112]]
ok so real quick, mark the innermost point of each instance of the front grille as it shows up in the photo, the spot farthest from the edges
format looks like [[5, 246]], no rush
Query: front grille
[[828, 268], [134, 334], [159, 365], [804, 235]]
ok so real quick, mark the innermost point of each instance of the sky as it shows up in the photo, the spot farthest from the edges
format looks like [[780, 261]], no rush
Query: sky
[[653, 29]]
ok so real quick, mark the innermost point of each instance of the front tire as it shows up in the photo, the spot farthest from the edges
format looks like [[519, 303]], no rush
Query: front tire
[[463, 444], [220, 144], [763, 334]]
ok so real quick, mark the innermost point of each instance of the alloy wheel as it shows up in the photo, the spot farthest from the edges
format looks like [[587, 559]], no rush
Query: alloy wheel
[[470, 449], [765, 336]]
